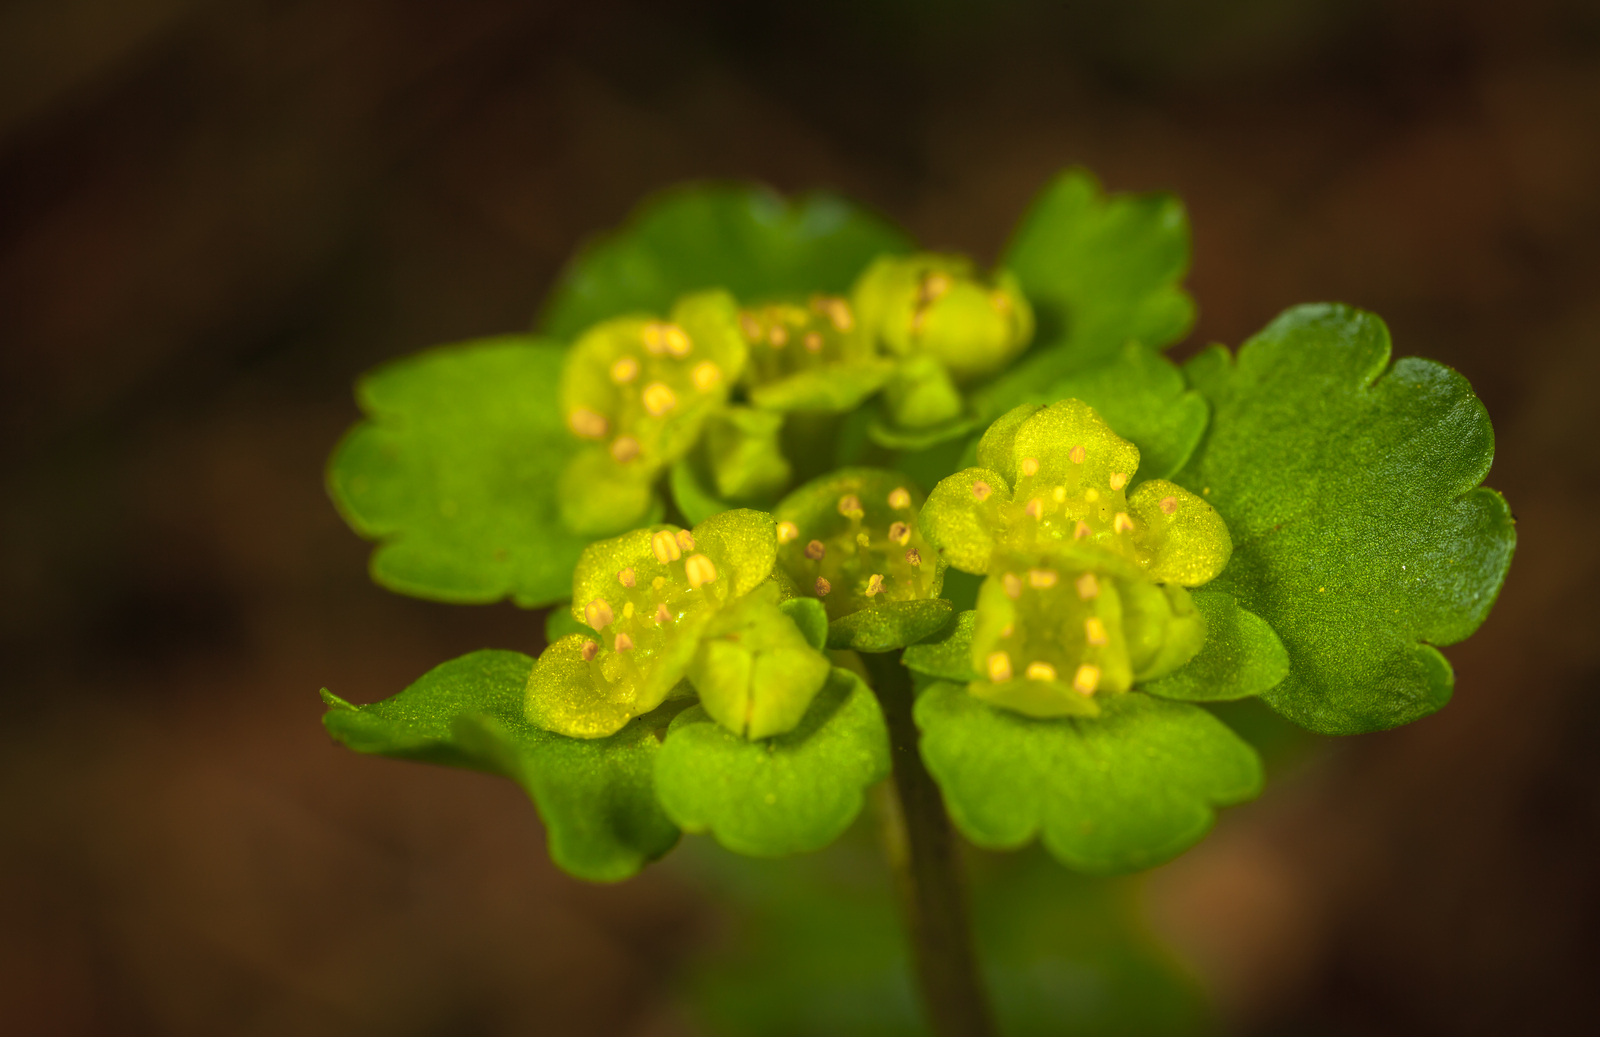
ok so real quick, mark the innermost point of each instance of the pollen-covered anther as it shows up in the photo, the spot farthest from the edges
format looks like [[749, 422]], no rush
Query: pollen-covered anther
[[1091, 495], [590, 650], [837, 309], [625, 370], [1081, 530], [778, 336], [685, 539], [999, 666], [850, 506], [1011, 583], [750, 326], [658, 398], [1086, 679], [1077, 454], [787, 531], [598, 614], [655, 338], [622, 643], [1059, 494], [706, 375], [874, 584], [1119, 480], [662, 614], [1088, 586], [1041, 579], [587, 423], [1122, 523], [981, 490], [899, 498], [1030, 466], [624, 449], [700, 570], [813, 341], [1041, 671], [678, 343], [899, 532], [1094, 631], [913, 557], [627, 610], [933, 286], [1035, 508], [823, 587], [625, 577], [862, 540], [1169, 505], [665, 547], [659, 582]]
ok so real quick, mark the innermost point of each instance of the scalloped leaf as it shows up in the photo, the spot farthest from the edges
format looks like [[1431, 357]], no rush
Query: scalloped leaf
[[455, 470], [1128, 789], [741, 237], [1242, 656], [594, 796], [793, 793], [1352, 491]]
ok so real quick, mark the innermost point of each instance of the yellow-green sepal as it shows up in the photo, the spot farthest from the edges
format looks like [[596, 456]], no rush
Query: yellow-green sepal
[[755, 671]]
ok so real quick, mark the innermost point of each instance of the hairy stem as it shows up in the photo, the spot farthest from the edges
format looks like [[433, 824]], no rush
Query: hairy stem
[[925, 858]]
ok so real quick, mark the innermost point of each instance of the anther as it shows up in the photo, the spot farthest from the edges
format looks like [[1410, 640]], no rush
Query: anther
[[899, 497], [678, 343], [981, 490], [899, 532], [1094, 631], [659, 582], [850, 506], [1122, 523], [813, 341], [1035, 508], [778, 335], [1086, 679], [622, 643], [590, 650], [874, 584], [624, 370], [700, 570], [815, 550], [587, 423], [598, 613], [706, 375], [625, 577], [823, 587], [1088, 586], [1091, 495], [1012, 585], [1081, 530], [999, 664], [1041, 671], [662, 615], [624, 449], [685, 540], [1058, 494], [1169, 505], [933, 286], [839, 313], [655, 338], [750, 326], [787, 531], [1119, 480], [627, 610], [658, 398], [1030, 466], [1077, 454], [863, 540], [1041, 579], [665, 547], [914, 557]]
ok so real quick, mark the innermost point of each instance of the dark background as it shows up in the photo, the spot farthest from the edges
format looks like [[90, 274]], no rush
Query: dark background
[[213, 215]]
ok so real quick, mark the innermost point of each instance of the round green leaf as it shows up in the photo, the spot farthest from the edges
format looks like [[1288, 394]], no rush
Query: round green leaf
[[1351, 489], [455, 474], [793, 793], [595, 796], [1242, 656], [1130, 788]]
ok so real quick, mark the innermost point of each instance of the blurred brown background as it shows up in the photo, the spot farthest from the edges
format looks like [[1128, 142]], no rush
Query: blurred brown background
[[215, 213]]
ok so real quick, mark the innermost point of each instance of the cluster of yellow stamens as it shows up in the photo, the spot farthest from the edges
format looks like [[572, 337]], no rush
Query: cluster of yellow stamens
[[785, 338], [857, 557], [648, 613]]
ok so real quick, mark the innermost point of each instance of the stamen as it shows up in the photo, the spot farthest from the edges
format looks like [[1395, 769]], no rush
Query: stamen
[[815, 550], [655, 338], [899, 497], [706, 375], [981, 490], [914, 557], [1091, 495], [750, 326], [1095, 631], [1119, 480], [787, 531], [678, 343], [899, 532], [598, 613], [590, 650], [1088, 586], [1041, 671], [862, 539], [1086, 679], [874, 584], [622, 643], [658, 398], [778, 335], [686, 540], [1012, 585], [1077, 454], [665, 547], [1058, 494], [625, 577], [587, 423], [1081, 530], [823, 587], [1169, 505], [659, 582], [624, 370], [662, 615], [1122, 523], [850, 506], [1041, 579], [1030, 466], [839, 312], [624, 449], [700, 570], [934, 285], [1035, 508], [813, 341], [627, 610], [999, 666]]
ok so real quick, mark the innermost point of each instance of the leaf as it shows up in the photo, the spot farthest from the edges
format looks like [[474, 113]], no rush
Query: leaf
[[1100, 271], [1242, 656], [1351, 490], [890, 625], [948, 653], [594, 796], [1128, 789], [741, 237], [793, 793], [454, 473], [811, 617]]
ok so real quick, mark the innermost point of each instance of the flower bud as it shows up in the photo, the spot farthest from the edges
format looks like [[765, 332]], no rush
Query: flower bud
[[754, 671]]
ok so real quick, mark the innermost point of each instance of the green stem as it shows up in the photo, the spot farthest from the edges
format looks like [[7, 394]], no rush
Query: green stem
[[925, 857]]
